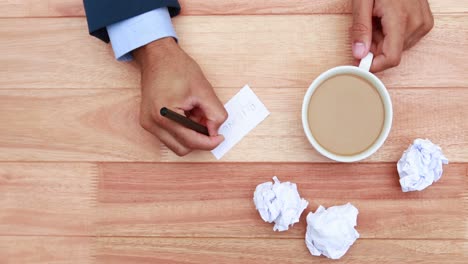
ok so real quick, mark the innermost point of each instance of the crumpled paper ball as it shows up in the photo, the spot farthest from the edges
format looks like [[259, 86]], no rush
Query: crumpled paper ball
[[420, 165], [280, 203], [331, 232]]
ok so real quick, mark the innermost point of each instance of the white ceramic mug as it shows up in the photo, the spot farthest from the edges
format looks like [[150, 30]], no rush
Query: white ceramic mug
[[363, 72]]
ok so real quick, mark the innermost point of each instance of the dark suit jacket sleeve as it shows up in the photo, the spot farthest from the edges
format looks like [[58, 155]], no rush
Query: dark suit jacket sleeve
[[101, 13]]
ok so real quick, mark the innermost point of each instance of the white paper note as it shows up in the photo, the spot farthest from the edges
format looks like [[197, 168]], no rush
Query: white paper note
[[245, 111]]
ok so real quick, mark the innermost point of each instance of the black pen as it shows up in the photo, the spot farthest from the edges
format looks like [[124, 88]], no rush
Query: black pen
[[186, 122]]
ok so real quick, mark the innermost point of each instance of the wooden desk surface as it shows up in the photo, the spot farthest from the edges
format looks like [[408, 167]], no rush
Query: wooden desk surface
[[81, 182]]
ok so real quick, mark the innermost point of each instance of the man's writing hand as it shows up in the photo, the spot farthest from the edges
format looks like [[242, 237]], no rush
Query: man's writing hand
[[170, 78]]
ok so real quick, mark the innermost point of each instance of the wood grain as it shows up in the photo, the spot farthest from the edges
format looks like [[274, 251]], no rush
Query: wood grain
[[82, 182], [215, 200], [46, 250], [102, 125], [86, 118], [47, 199], [279, 7], [263, 51], [71, 8], [191, 251], [115, 250]]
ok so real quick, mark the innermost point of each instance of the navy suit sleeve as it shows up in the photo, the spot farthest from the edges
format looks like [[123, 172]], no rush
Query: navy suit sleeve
[[102, 13]]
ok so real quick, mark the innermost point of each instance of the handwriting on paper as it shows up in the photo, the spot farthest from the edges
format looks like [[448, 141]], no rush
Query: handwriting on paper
[[245, 111]]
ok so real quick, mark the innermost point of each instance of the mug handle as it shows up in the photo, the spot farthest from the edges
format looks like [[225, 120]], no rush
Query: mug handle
[[366, 62]]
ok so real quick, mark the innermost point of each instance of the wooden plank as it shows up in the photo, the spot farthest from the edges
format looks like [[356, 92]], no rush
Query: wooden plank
[[215, 200], [102, 125], [264, 51], [279, 7], [64, 250], [46, 250], [90, 127], [41, 8], [191, 251], [67, 8], [47, 199]]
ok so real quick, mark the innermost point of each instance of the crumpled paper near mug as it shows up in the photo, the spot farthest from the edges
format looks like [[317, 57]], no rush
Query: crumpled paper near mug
[[279, 203], [420, 165]]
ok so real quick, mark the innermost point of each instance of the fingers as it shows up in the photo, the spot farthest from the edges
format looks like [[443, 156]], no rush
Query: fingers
[[214, 111], [176, 137], [419, 25], [428, 17], [166, 138], [414, 27], [196, 115], [190, 138], [361, 31], [180, 139], [393, 28], [403, 24]]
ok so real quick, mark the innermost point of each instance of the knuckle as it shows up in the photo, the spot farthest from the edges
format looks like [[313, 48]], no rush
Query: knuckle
[[189, 144], [145, 123], [360, 28], [404, 17], [155, 111], [176, 135], [429, 25], [223, 116], [212, 147], [220, 117], [394, 60], [186, 142], [181, 151], [419, 22], [156, 116]]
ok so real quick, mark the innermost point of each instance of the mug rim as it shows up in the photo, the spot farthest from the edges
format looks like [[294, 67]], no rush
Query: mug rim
[[384, 95]]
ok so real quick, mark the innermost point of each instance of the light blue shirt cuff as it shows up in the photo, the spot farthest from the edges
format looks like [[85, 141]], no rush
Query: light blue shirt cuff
[[135, 32]]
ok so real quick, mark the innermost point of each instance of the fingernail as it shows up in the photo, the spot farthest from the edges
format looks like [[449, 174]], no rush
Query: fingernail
[[359, 50]]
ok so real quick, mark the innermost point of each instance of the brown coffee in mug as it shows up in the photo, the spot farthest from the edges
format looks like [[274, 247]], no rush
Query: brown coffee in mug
[[346, 114]]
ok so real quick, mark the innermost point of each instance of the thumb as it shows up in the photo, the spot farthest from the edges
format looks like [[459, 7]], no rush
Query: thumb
[[361, 31]]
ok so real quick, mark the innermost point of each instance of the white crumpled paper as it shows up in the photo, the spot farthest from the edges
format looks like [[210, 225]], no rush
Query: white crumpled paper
[[280, 203], [420, 165], [331, 231]]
